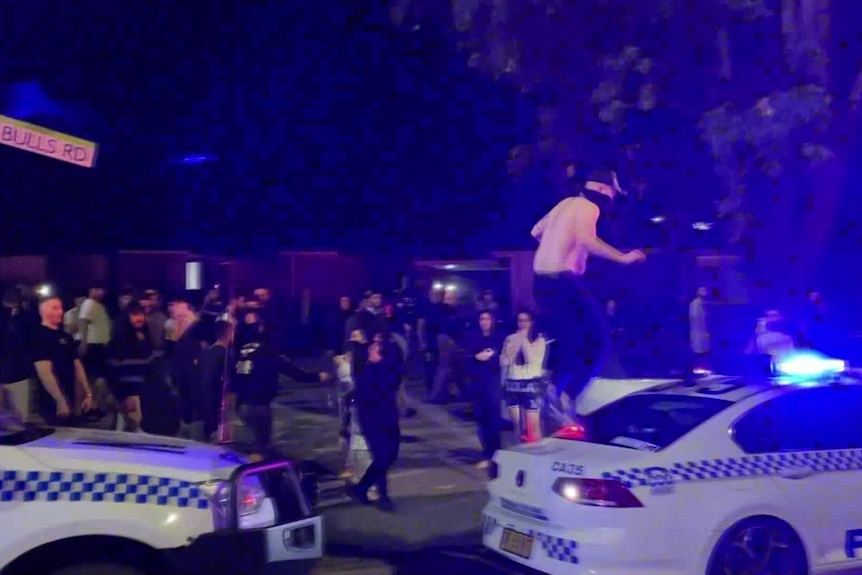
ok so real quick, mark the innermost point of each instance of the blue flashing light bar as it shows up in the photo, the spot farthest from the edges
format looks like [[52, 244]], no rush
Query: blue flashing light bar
[[809, 366]]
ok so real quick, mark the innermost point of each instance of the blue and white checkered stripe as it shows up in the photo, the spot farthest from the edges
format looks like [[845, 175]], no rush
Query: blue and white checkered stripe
[[27, 486], [747, 466], [556, 548]]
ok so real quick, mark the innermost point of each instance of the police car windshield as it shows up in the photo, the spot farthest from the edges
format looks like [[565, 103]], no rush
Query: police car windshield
[[12, 434], [650, 422]]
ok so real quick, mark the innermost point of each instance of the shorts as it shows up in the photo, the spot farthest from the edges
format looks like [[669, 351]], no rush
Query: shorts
[[524, 394], [96, 361], [126, 387], [524, 400]]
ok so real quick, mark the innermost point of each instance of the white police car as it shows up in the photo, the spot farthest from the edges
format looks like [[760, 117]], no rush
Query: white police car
[[83, 502], [717, 475]]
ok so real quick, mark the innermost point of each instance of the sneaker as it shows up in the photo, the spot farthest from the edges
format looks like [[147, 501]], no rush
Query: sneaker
[[356, 494]]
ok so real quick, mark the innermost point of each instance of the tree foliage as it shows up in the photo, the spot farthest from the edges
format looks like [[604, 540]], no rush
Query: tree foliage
[[617, 52]]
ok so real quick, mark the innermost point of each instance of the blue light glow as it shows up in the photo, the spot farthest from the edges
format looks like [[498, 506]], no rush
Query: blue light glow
[[809, 365]]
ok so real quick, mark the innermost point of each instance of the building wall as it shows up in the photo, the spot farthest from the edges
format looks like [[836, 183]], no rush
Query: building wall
[[165, 271], [27, 270]]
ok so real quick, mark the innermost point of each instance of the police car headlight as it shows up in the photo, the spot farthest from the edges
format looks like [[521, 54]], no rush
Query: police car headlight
[[250, 494]]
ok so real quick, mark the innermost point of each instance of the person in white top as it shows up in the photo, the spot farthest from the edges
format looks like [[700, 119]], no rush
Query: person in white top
[[567, 236], [769, 337], [698, 328], [94, 328], [70, 319], [523, 363]]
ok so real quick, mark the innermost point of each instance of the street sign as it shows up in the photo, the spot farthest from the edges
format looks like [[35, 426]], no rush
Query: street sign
[[39, 140]]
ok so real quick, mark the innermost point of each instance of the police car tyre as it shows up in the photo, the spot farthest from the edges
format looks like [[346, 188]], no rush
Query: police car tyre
[[759, 546], [99, 569]]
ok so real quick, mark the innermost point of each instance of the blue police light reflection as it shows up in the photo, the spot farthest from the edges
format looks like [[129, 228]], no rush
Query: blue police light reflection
[[808, 366]]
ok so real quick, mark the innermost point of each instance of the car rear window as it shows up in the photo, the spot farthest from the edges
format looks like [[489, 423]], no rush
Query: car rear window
[[650, 422]]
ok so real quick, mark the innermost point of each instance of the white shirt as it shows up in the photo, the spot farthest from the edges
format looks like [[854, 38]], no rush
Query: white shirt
[[698, 330], [534, 358], [70, 323], [99, 324]]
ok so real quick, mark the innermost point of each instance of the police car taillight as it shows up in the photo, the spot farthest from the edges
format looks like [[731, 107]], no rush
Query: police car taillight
[[596, 492], [573, 432]]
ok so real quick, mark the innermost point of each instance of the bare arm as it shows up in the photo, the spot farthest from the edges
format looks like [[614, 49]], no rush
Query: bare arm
[[82, 329], [585, 234], [420, 332], [45, 371], [539, 228], [81, 379]]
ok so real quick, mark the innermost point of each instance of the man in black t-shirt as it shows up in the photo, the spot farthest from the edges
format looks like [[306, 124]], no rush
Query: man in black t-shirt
[[55, 356]]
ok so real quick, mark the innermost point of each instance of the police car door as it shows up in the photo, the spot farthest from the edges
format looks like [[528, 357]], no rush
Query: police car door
[[810, 440]]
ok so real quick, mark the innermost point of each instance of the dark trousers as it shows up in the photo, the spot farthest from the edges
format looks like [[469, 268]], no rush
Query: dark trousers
[[573, 317], [487, 401], [431, 360], [384, 443], [259, 420]]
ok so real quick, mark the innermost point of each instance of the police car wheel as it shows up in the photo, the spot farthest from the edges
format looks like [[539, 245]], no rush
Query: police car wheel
[[759, 546], [96, 568]]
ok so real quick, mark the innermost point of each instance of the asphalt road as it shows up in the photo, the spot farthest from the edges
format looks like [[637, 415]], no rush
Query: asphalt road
[[437, 490]]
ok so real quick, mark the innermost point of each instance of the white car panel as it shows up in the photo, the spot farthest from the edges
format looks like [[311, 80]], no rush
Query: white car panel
[[692, 492]]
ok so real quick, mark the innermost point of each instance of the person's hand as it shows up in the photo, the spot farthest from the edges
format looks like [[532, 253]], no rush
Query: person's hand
[[87, 404], [485, 355], [634, 257], [374, 353], [82, 350], [63, 410], [324, 377], [357, 336]]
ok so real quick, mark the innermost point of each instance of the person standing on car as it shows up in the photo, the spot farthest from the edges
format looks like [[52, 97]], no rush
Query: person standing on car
[[567, 237], [15, 368], [64, 386]]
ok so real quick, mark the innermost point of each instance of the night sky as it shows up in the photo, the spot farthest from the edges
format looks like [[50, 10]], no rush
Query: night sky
[[332, 129]]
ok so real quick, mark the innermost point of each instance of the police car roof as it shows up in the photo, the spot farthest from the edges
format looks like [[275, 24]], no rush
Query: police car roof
[[727, 388]]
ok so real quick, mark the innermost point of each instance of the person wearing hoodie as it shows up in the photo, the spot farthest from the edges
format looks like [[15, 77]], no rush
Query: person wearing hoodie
[[483, 353], [377, 367], [256, 377]]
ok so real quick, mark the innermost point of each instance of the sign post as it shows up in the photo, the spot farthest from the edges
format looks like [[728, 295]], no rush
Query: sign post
[[39, 140]]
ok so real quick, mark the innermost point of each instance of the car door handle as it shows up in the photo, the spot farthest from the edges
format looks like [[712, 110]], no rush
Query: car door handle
[[795, 472]]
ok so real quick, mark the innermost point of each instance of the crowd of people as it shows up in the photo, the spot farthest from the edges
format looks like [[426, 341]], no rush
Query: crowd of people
[[150, 370], [183, 369]]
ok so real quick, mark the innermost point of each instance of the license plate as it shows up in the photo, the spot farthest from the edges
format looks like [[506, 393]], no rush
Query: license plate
[[516, 543]]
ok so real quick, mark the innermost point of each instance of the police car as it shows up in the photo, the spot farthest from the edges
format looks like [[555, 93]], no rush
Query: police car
[[718, 475], [85, 502]]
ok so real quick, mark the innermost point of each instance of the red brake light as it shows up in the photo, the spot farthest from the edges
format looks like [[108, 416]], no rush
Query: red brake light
[[596, 492], [573, 432]]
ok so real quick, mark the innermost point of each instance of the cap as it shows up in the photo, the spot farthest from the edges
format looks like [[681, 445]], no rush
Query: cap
[[608, 178]]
